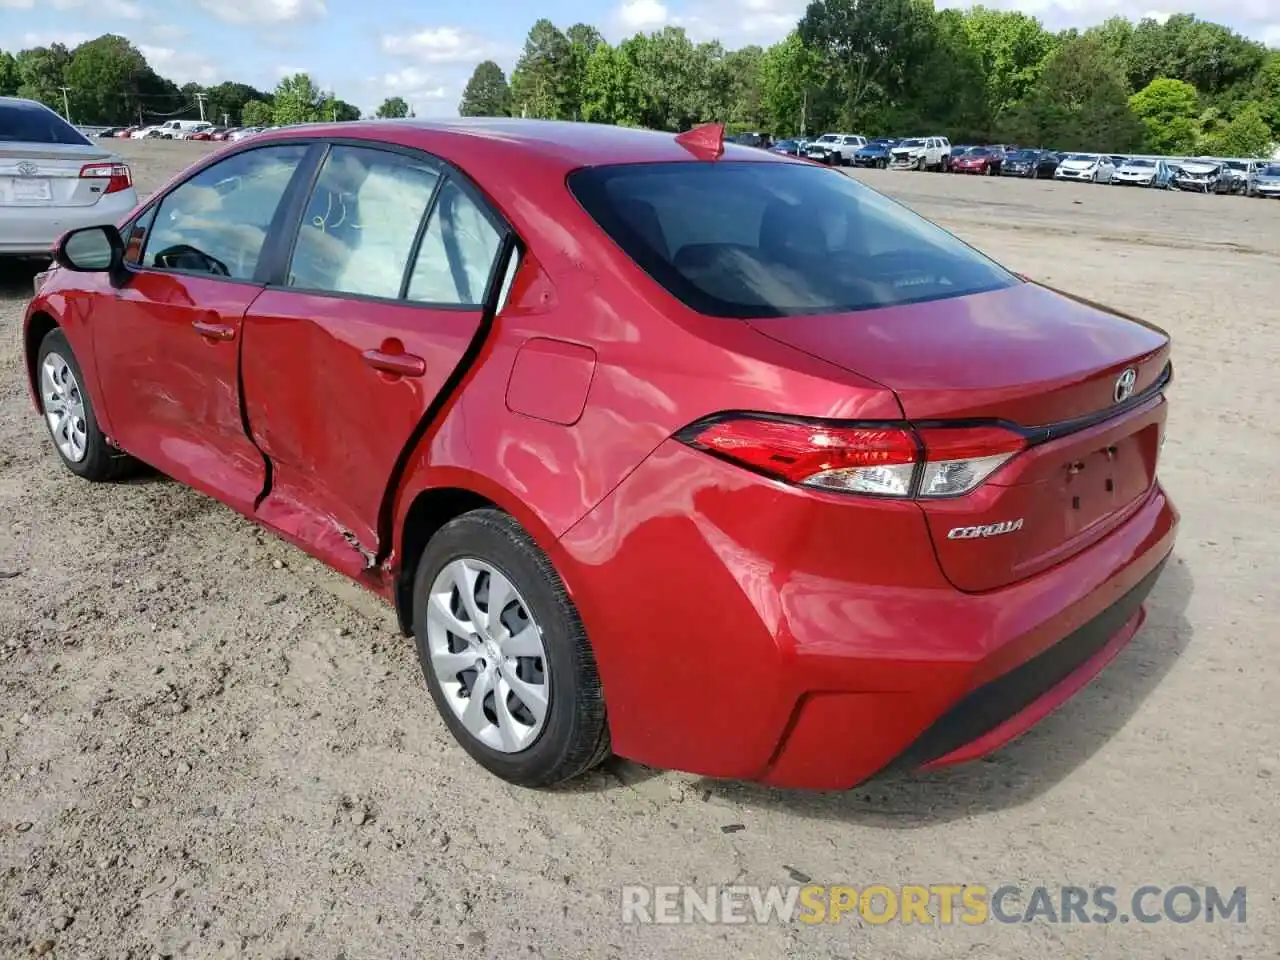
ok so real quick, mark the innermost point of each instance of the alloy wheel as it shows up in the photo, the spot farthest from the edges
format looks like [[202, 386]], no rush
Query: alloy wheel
[[487, 654], [64, 407]]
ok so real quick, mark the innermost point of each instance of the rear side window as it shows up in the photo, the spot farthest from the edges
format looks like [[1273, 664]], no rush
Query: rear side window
[[358, 231], [457, 254], [32, 123], [751, 240]]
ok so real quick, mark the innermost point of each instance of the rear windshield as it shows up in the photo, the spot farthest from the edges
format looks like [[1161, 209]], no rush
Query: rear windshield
[[750, 240], [29, 123]]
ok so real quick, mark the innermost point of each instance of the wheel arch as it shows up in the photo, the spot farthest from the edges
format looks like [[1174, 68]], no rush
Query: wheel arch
[[38, 326], [431, 501]]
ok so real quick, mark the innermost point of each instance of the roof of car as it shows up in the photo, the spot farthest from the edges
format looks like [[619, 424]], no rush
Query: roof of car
[[572, 143]]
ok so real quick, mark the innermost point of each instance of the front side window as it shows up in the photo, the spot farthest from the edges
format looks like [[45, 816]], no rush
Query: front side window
[[216, 223], [738, 239], [358, 230], [457, 253]]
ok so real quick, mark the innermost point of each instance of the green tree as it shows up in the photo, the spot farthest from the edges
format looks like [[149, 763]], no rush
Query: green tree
[[1247, 135], [583, 41], [226, 101], [487, 93], [42, 70], [1169, 110], [542, 82], [609, 92], [1080, 102], [257, 113], [393, 108], [10, 78], [792, 87], [1011, 49], [298, 100], [873, 47], [105, 76], [744, 89], [948, 92], [1266, 92]]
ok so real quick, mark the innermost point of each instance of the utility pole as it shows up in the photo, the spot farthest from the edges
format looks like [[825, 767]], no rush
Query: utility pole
[[66, 110], [200, 99], [226, 119]]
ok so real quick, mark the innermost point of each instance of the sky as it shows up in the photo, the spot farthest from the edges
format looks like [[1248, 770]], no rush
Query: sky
[[365, 50]]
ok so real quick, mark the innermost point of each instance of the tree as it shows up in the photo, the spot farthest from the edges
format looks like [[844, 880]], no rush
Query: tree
[[1169, 110], [297, 100], [10, 78], [583, 39], [609, 92], [742, 70], [1011, 49], [257, 113], [41, 71], [1266, 92], [791, 87], [227, 100], [1080, 102], [393, 108], [872, 46], [542, 82], [486, 93], [1247, 135]]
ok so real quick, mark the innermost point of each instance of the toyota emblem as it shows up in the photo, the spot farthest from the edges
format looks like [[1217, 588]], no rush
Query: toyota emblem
[[27, 169], [1125, 384]]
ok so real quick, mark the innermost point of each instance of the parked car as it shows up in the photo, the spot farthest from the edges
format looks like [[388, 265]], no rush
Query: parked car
[[836, 149], [224, 134], [1266, 181], [983, 160], [1096, 168], [1198, 176], [1144, 172], [456, 374], [761, 140], [1032, 164], [875, 153], [53, 178], [1236, 175], [243, 134], [921, 153]]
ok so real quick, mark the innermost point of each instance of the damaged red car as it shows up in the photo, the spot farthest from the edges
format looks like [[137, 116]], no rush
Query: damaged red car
[[694, 453], [983, 160]]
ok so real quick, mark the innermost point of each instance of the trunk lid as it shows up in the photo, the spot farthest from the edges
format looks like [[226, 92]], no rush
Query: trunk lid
[[1028, 356], [48, 174]]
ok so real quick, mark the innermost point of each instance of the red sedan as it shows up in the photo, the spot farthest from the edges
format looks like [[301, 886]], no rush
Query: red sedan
[[986, 160], [691, 452]]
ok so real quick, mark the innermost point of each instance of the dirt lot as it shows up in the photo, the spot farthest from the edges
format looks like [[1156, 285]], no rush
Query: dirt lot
[[210, 747]]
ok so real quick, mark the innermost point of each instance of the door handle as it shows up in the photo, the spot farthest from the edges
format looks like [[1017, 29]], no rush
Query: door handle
[[214, 331], [399, 364]]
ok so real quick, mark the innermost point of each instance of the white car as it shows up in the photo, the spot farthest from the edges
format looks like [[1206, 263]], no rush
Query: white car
[[921, 153], [836, 149], [1093, 167], [54, 179], [243, 133], [1143, 172]]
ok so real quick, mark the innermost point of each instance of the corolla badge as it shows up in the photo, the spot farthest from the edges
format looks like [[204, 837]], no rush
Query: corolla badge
[[987, 530], [1125, 384], [27, 169]]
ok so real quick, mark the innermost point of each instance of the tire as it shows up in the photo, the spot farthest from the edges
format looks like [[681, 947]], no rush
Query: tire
[[82, 447], [574, 734], [920, 163], [883, 164]]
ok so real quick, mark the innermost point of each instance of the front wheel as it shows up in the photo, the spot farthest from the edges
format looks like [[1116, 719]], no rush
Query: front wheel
[[883, 164], [920, 163], [505, 654], [69, 415]]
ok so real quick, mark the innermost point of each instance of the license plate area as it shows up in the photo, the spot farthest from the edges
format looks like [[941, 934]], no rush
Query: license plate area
[[1097, 483], [27, 190]]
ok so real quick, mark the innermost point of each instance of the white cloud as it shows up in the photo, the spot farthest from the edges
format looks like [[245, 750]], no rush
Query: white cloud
[[68, 40], [643, 15], [180, 66], [442, 45], [126, 9], [265, 11]]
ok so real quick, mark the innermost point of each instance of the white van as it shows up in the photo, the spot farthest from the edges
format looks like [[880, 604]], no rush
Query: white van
[[172, 129]]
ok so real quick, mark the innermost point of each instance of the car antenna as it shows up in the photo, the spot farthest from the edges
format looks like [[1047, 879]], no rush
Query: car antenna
[[706, 142]]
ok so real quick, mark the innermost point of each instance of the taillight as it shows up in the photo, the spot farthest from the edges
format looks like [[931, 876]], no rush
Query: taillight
[[887, 460], [117, 175]]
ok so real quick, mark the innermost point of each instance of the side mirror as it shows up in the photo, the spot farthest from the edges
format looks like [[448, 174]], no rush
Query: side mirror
[[91, 250]]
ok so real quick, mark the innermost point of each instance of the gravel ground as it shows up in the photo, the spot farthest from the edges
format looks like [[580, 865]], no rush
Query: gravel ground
[[211, 747]]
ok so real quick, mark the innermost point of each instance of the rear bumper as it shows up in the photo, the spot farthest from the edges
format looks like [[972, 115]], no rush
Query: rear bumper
[[32, 231], [747, 630]]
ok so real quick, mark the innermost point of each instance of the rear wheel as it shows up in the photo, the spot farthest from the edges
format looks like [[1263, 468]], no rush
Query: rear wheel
[[69, 415], [505, 654]]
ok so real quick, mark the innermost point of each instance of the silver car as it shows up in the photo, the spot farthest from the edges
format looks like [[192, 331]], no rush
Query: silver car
[[1266, 182], [54, 179]]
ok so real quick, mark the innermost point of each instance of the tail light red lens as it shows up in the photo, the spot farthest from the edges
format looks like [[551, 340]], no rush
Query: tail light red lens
[[887, 460], [117, 175]]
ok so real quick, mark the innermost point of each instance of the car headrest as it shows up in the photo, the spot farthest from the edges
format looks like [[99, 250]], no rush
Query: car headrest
[[641, 217]]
